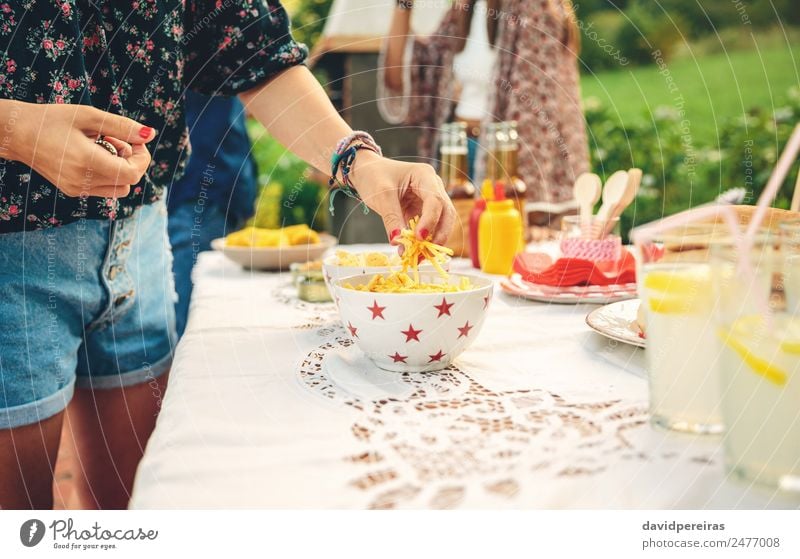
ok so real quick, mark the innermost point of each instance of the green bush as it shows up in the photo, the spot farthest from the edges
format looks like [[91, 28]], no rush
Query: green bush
[[288, 195], [679, 174], [308, 18], [699, 18], [645, 31], [600, 49]]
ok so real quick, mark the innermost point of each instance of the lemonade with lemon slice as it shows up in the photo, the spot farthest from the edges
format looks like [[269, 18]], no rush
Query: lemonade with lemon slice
[[790, 241], [760, 373], [791, 282], [681, 347]]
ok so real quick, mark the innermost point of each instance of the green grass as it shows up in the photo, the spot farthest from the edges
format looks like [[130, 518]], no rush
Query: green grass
[[714, 87]]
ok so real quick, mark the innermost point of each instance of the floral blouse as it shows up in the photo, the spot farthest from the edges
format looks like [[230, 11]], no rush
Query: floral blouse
[[134, 58]]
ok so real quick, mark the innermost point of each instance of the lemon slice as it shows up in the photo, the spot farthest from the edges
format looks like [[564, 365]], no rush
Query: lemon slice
[[686, 283], [791, 341], [748, 325], [760, 366], [669, 305]]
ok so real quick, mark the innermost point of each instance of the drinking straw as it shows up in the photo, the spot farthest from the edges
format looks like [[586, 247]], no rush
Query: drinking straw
[[785, 162], [742, 243], [646, 233]]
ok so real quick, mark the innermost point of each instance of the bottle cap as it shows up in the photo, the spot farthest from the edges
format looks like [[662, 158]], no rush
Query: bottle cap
[[499, 191], [487, 192]]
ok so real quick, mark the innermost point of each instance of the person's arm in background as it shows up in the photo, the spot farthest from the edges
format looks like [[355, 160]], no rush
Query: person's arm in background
[[296, 111], [399, 31]]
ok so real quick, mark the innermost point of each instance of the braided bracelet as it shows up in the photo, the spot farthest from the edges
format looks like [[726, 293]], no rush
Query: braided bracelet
[[365, 137], [342, 159]]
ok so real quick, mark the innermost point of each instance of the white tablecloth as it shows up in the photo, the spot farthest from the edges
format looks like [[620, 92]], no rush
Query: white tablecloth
[[270, 405]]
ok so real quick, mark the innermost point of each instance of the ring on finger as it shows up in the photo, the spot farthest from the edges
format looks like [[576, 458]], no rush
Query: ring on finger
[[105, 144]]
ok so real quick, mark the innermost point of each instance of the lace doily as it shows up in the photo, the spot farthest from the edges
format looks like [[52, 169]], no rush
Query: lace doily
[[429, 438]]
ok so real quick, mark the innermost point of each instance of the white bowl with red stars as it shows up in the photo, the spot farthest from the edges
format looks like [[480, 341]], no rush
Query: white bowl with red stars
[[413, 332]]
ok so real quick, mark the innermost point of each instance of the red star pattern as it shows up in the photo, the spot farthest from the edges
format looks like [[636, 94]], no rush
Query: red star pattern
[[443, 308], [464, 330], [436, 356], [377, 310], [486, 301], [353, 330], [397, 358], [411, 334]]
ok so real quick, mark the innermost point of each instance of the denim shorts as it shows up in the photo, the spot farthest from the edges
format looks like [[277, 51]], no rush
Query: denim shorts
[[87, 304]]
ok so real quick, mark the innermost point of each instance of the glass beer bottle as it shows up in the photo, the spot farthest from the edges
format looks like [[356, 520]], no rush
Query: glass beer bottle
[[455, 176]]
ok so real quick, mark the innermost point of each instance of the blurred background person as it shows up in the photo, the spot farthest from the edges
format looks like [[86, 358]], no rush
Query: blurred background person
[[494, 60], [216, 194]]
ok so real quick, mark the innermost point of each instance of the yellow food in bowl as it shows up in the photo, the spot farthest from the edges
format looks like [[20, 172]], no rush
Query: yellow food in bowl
[[400, 282], [416, 250], [273, 238], [366, 259]]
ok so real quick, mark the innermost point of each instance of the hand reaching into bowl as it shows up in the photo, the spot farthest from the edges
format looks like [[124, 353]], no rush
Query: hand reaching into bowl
[[58, 142], [400, 191]]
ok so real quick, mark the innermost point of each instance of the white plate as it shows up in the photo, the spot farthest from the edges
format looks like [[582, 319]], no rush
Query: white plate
[[595, 294], [618, 322], [274, 258]]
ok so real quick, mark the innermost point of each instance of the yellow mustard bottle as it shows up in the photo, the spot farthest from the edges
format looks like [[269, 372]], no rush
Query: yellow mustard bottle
[[499, 234]]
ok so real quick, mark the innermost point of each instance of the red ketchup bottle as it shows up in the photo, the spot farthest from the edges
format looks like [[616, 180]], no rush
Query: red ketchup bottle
[[474, 220]]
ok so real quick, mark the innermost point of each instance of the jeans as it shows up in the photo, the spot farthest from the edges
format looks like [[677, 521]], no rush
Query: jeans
[[192, 227]]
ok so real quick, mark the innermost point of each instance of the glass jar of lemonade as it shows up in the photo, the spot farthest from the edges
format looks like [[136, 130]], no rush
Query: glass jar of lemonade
[[759, 370], [790, 246], [675, 288]]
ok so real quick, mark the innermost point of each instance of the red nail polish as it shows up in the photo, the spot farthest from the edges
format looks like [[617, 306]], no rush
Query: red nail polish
[[145, 131], [393, 234], [423, 233]]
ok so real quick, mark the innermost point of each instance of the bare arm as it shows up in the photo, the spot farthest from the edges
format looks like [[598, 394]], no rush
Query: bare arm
[[395, 48], [460, 14], [295, 110], [297, 113]]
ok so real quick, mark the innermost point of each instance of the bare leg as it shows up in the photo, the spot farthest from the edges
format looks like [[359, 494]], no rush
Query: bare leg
[[27, 459], [111, 429], [64, 497]]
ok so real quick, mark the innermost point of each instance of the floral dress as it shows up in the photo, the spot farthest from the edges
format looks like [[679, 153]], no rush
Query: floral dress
[[535, 83], [134, 58]]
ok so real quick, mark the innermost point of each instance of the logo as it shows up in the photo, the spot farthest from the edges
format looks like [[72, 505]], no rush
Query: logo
[[31, 532]]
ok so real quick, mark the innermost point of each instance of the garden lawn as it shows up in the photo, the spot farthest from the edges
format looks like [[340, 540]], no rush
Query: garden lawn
[[712, 88]]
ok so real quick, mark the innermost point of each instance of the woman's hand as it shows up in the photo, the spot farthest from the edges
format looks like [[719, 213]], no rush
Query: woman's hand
[[399, 191], [58, 142]]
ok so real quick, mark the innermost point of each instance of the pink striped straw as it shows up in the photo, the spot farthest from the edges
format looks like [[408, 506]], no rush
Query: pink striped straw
[[742, 242], [788, 157], [648, 232]]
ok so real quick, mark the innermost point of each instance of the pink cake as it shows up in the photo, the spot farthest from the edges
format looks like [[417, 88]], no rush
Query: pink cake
[[605, 250]]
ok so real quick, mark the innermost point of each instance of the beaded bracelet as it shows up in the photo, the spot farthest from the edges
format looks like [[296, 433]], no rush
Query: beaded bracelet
[[342, 159]]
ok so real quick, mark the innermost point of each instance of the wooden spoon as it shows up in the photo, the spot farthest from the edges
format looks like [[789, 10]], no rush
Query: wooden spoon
[[613, 191], [628, 196], [586, 192]]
